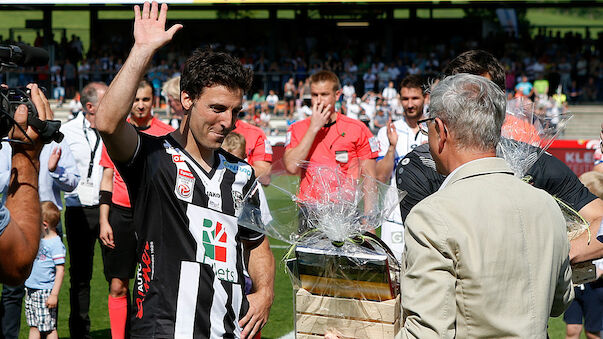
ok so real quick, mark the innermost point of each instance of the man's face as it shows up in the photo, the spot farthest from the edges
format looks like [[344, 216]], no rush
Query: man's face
[[92, 108], [143, 102], [412, 102], [323, 92], [212, 116]]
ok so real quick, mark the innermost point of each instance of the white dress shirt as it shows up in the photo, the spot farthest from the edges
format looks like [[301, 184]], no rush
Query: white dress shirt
[[82, 141]]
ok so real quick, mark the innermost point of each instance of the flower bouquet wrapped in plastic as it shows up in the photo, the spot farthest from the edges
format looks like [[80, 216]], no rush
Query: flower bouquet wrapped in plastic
[[344, 277]]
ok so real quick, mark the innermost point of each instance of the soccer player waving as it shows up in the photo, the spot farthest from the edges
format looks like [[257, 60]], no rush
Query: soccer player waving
[[186, 193]]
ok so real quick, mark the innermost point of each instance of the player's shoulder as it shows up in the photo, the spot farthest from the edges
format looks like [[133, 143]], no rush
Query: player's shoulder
[[300, 125], [418, 160]]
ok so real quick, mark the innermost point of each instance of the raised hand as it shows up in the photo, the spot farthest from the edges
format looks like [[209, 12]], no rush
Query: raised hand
[[53, 160], [392, 135], [149, 26]]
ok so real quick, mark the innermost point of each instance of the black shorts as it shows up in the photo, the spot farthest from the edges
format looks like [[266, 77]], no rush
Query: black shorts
[[120, 262], [587, 307]]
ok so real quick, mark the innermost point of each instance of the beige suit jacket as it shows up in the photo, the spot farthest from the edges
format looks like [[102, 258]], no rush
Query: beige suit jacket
[[486, 257]]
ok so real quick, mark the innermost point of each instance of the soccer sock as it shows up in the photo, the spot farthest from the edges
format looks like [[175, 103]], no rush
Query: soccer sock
[[118, 312]]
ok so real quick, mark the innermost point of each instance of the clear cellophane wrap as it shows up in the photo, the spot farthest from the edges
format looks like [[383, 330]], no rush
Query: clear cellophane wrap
[[345, 279], [526, 135]]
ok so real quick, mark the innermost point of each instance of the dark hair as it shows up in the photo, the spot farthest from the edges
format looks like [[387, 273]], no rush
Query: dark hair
[[413, 81], [477, 62], [323, 75], [144, 82], [206, 68]]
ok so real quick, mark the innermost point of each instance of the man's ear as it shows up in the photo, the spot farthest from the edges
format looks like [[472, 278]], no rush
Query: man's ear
[[186, 100], [338, 94], [442, 132]]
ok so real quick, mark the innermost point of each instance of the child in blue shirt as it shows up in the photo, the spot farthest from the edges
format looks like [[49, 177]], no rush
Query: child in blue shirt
[[43, 285]]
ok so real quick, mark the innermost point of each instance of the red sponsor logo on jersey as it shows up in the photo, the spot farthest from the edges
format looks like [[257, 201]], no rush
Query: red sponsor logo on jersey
[[177, 158], [145, 273], [214, 240], [186, 174], [184, 189]]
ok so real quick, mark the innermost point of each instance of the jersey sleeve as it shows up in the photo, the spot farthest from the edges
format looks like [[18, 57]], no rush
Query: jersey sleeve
[[368, 146], [292, 136], [417, 180], [105, 160], [261, 151], [133, 171], [553, 176]]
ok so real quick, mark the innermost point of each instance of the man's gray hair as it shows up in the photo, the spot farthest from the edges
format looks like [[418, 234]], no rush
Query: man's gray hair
[[472, 107]]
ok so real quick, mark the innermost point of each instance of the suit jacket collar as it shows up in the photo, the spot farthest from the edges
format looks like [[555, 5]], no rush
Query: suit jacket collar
[[479, 167]]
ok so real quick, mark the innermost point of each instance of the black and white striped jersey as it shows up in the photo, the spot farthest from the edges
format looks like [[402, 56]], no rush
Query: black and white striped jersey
[[190, 279]]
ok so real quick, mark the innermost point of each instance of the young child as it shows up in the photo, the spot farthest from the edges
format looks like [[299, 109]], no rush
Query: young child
[[234, 143], [43, 285]]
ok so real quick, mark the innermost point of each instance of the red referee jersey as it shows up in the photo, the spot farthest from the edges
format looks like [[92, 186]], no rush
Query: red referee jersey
[[339, 146]]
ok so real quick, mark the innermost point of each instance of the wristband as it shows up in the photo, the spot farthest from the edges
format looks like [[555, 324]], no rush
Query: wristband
[[105, 197]]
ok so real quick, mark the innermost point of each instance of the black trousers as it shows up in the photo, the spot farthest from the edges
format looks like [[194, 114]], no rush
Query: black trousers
[[82, 228], [12, 300]]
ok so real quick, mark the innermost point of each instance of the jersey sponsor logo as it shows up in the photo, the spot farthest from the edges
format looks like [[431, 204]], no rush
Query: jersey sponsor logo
[[213, 194], [177, 158], [185, 173], [234, 168], [213, 237], [216, 236], [215, 241], [144, 277], [185, 184], [374, 144]]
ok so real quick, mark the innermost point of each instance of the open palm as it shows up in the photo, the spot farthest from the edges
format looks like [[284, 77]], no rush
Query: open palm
[[149, 26]]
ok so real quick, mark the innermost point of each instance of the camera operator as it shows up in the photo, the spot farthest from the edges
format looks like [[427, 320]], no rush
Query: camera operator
[[20, 217]]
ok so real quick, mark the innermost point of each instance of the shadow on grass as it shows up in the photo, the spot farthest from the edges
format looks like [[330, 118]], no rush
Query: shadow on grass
[[98, 334]]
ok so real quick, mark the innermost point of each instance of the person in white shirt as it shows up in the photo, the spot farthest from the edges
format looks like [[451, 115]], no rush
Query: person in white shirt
[[348, 90], [82, 211], [395, 140], [271, 100], [389, 93]]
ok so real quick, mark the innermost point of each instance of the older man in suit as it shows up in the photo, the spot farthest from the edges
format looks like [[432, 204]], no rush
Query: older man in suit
[[486, 255]]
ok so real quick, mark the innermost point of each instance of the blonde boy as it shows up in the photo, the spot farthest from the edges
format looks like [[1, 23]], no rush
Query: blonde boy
[[43, 285]]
